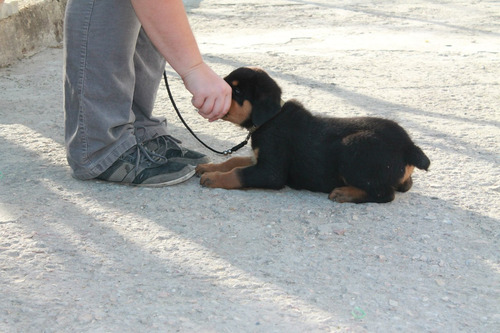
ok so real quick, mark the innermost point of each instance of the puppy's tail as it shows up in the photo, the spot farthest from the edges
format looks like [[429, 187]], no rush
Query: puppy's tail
[[415, 156]]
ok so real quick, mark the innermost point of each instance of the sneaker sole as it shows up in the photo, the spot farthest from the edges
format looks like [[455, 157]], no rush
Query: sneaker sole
[[164, 184], [168, 183]]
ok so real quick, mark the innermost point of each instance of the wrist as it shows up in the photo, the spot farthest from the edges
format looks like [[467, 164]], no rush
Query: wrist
[[192, 70]]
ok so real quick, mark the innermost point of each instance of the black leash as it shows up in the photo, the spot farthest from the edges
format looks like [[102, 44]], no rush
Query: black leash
[[225, 152]]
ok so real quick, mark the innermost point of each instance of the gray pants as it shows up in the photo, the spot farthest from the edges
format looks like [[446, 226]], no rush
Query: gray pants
[[111, 76]]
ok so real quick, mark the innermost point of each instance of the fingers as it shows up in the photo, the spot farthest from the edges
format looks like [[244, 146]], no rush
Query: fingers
[[211, 94], [213, 109]]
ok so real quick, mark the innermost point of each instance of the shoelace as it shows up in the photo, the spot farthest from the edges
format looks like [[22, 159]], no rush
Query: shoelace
[[167, 142], [148, 155], [175, 141]]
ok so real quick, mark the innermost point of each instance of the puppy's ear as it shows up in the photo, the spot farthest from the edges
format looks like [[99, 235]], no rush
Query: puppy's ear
[[266, 101], [264, 109]]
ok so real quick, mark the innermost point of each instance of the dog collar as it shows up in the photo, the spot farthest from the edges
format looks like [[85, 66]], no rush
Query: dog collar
[[251, 130]]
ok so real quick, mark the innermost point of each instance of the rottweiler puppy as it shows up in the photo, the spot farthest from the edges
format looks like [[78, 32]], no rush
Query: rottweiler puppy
[[362, 159]]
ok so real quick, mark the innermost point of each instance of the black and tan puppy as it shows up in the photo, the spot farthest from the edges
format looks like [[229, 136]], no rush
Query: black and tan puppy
[[353, 159]]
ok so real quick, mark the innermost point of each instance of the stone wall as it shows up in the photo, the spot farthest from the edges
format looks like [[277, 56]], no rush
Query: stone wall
[[35, 26]]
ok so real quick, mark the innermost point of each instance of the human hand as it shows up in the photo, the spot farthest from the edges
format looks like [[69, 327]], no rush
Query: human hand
[[211, 94]]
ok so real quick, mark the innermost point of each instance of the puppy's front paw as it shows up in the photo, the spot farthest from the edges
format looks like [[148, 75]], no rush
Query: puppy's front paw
[[217, 179], [202, 168], [209, 179]]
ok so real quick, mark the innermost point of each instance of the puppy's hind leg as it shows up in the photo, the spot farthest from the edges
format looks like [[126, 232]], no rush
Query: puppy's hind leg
[[405, 186], [357, 195], [406, 181], [348, 194]]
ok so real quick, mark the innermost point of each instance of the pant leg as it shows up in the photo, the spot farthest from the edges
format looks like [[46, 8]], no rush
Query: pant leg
[[149, 66], [100, 50]]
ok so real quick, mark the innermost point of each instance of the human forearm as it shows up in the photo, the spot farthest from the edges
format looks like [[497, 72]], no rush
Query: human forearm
[[167, 26], [166, 23]]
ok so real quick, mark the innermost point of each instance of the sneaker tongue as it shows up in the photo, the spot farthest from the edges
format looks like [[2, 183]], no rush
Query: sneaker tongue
[[152, 145]]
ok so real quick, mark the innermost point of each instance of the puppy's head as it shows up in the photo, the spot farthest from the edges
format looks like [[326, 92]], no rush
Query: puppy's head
[[256, 97]]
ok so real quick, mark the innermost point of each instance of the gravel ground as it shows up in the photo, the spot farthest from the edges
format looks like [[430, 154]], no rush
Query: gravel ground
[[92, 257]]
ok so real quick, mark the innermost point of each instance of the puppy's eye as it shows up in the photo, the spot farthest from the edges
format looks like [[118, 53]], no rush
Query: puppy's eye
[[236, 91], [238, 95]]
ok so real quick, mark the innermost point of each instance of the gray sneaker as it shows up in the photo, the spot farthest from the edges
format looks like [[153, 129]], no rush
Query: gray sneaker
[[141, 167], [171, 149]]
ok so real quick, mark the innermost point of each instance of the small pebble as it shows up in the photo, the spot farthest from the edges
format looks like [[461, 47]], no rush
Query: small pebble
[[440, 282], [393, 303], [85, 318]]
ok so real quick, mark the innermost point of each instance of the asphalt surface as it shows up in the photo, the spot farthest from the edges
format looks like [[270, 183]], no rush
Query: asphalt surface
[[93, 257]]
